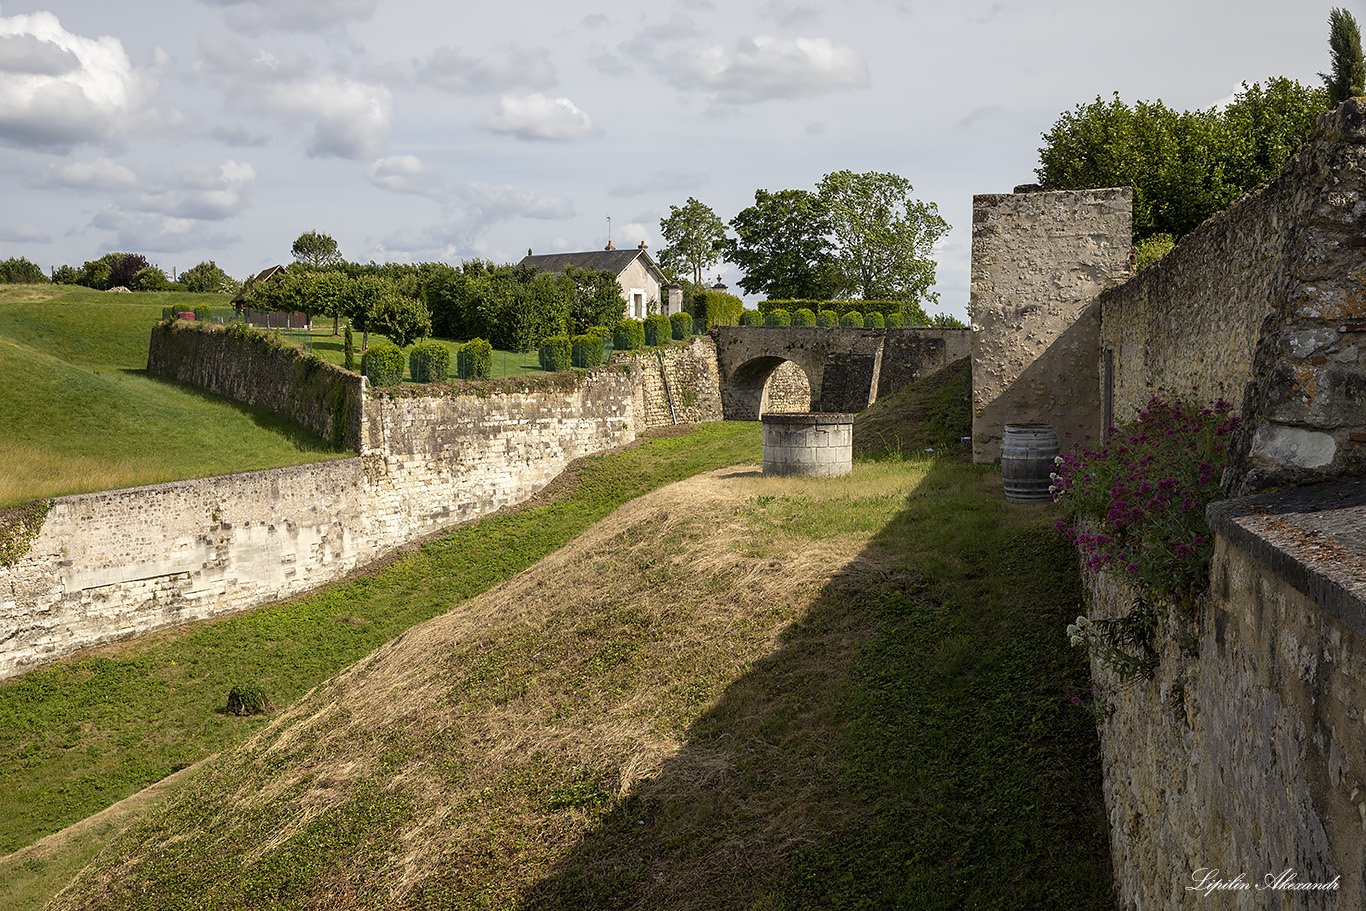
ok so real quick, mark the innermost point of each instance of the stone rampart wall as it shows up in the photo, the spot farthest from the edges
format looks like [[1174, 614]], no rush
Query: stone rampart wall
[[109, 565]]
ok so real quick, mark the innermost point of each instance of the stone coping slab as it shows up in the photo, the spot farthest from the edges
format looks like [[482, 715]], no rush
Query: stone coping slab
[[1313, 537], [808, 417]]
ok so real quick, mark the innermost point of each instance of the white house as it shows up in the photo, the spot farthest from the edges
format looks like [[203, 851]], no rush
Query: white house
[[641, 280]]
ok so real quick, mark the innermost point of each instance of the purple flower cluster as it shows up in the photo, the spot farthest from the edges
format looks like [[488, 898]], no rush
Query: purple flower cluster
[[1137, 502]]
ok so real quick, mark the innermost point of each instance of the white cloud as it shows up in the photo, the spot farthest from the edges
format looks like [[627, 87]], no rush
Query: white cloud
[[767, 68], [350, 119], [100, 174], [294, 15], [60, 89], [154, 233], [24, 234], [789, 14], [405, 174], [659, 181], [538, 117], [500, 202], [203, 194], [451, 70], [238, 136]]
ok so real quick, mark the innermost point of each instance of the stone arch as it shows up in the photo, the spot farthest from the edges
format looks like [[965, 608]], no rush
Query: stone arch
[[788, 389], [751, 390]]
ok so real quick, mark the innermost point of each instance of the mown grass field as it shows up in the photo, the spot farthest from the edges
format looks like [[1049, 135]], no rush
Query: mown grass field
[[734, 692], [78, 411]]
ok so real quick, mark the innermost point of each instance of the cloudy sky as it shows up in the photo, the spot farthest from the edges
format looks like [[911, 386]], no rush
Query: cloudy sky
[[412, 130]]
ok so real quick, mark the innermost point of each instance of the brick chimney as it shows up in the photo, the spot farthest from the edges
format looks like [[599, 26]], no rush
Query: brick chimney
[[609, 246], [642, 245]]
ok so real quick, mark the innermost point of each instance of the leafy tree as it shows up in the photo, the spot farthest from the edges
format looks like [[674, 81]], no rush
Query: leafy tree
[[1183, 166], [18, 270], [123, 269], [1348, 79], [66, 275], [596, 295], [783, 246], [315, 249], [150, 278], [883, 237], [401, 318], [206, 278], [695, 236]]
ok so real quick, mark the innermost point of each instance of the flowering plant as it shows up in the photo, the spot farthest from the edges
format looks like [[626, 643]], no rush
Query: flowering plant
[[1136, 505]]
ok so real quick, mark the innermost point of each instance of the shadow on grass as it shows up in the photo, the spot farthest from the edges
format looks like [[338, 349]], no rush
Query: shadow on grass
[[907, 745]]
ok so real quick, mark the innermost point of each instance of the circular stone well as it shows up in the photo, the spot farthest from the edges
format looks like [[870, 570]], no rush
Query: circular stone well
[[809, 445]]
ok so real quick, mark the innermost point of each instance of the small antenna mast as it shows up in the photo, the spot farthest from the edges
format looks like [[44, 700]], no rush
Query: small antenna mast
[[609, 232]]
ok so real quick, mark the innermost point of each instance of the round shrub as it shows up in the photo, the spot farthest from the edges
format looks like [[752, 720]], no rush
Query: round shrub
[[629, 336], [556, 352], [658, 329], [852, 320], [873, 321], [383, 364], [586, 350], [804, 317], [474, 360], [893, 320], [827, 319], [779, 317], [429, 362], [248, 699], [600, 331], [751, 318], [681, 324]]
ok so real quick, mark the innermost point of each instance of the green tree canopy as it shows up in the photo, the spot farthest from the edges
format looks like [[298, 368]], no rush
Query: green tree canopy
[[883, 237], [315, 249], [1184, 166], [1348, 79], [206, 278], [18, 270], [783, 246], [695, 236]]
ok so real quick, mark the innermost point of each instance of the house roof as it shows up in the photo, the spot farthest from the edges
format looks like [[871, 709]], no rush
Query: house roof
[[614, 261], [265, 276]]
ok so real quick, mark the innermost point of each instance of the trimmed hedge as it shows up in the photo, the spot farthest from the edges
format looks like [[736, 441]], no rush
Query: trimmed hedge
[[382, 364], [429, 362], [852, 320], [557, 353], [658, 330], [474, 360], [777, 317], [629, 335], [827, 319], [873, 320], [716, 308], [587, 350], [681, 324], [893, 321], [804, 316], [751, 318]]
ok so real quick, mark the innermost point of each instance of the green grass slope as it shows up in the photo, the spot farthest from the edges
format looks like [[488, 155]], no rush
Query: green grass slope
[[79, 411]]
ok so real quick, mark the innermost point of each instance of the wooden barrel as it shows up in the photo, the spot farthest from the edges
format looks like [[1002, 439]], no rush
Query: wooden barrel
[[1027, 455]]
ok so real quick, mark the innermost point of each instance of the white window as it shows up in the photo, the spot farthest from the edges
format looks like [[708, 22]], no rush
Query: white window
[[637, 303]]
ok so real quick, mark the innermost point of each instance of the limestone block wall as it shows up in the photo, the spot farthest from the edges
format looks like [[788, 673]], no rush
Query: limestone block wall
[[320, 397], [1038, 262], [787, 390], [676, 385], [1247, 754]]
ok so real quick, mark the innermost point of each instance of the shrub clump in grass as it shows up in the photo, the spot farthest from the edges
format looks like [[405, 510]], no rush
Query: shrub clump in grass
[[556, 352], [383, 364], [852, 320], [827, 319], [475, 359], [658, 330], [248, 699], [681, 324], [804, 316], [629, 335], [430, 362], [779, 317], [587, 350]]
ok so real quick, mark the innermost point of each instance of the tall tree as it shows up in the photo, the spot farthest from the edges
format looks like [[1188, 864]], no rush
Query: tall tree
[[783, 246], [315, 249], [1348, 79], [695, 236], [883, 237]]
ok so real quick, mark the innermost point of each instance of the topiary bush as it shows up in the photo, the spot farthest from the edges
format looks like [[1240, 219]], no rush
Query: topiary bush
[[804, 317], [827, 319], [681, 324], [429, 362], [474, 360], [779, 317], [629, 336], [751, 318], [587, 350], [873, 321], [893, 320], [852, 320], [556, 352], [383, 364], [658, 330], [716, 308], [248, 699]]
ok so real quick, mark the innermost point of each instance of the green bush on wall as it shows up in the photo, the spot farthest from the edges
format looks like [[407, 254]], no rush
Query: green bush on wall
[[586, 350], [716, 308], [429, 362], [852, 320], [751, 318], [827, 319], [893, 320], [804, 317], [658, 329], [556, 352], [382, 364], [474, 360], [778, 317], [681, 324], [629, 336], [873, 321]]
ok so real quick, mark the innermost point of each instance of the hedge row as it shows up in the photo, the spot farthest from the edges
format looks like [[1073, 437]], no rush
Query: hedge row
[[910, 314]]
